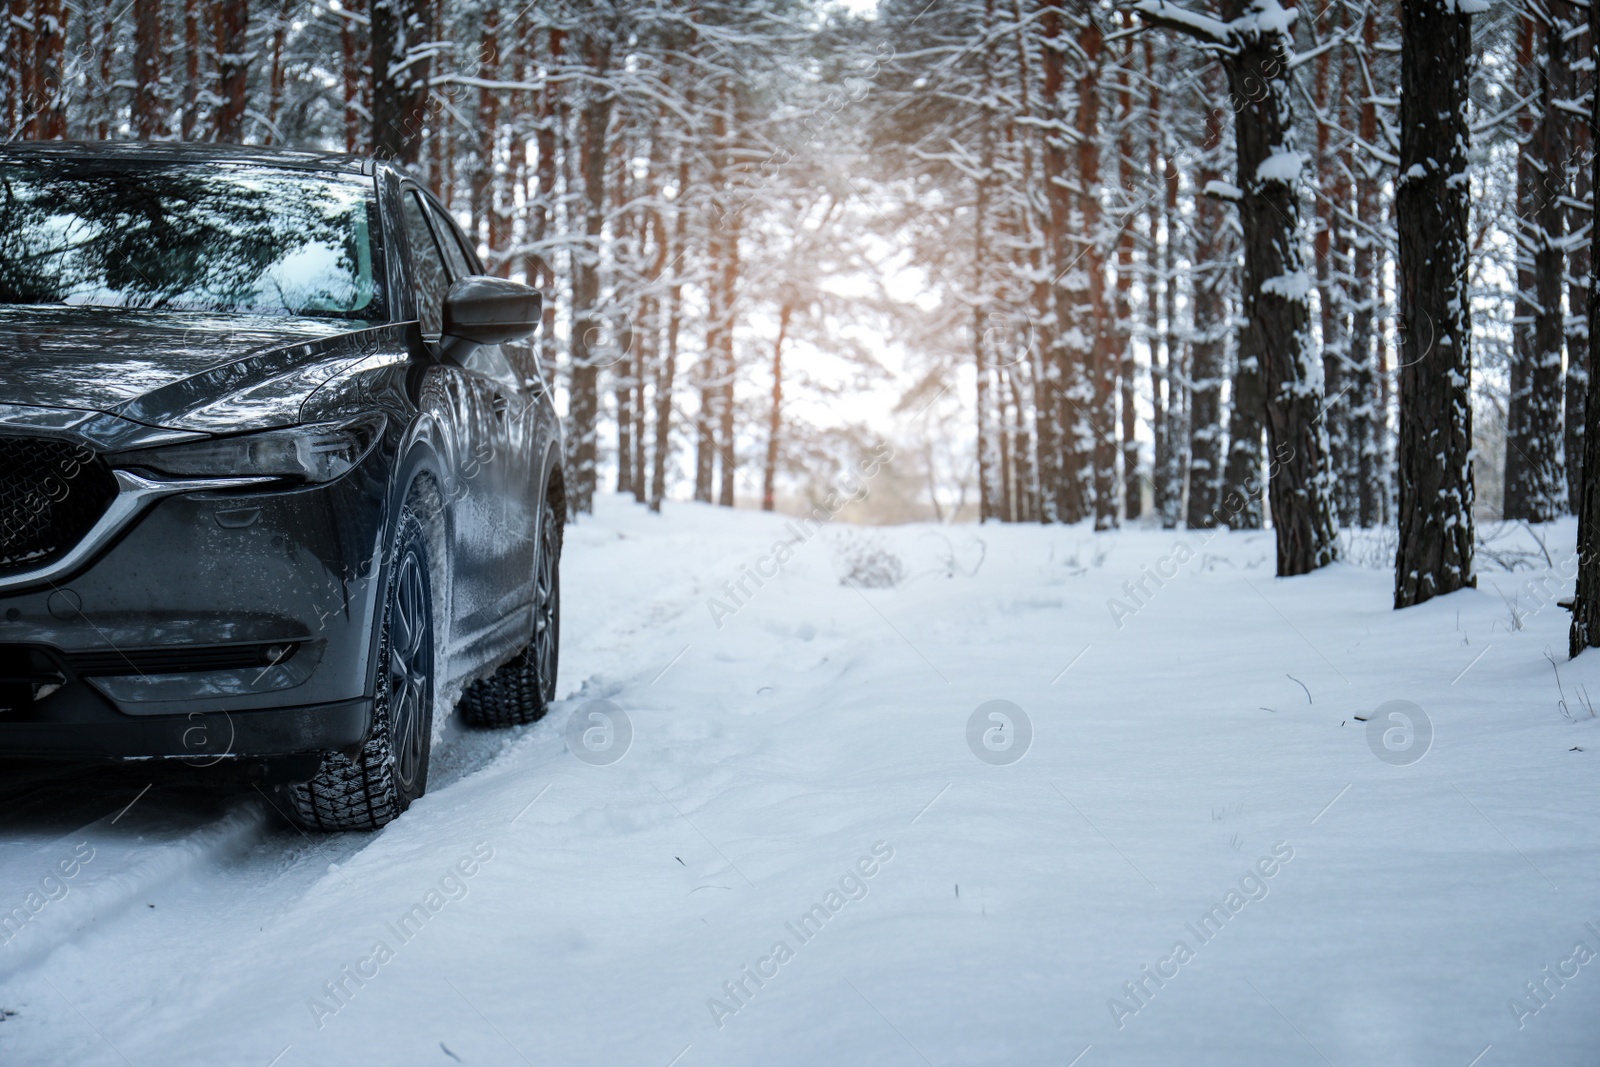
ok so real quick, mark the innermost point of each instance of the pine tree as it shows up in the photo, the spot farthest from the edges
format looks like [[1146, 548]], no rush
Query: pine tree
[[1431, 205], [1254, 49]]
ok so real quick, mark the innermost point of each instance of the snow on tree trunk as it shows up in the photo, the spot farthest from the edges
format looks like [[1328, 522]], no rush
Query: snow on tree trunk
[[355, 75], [669, 359], [1049, 396], [725, 284], [1209, 346], [149, 49], [1328, 245], [401, 35], [769, 468], [1122, 312], [587, 328], [1169, 501], [1431, 206], [1103, 361], [1576, 386], [1254, 48], [1242, 484], [1534, 484], [191, 69], [230, 26], [1277, 289], [48, 102], [625, 371], [1585, 631], [1367, 410]]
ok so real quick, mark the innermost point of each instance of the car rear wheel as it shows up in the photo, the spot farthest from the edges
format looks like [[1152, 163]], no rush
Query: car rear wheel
[[521, 691], [372, 789]]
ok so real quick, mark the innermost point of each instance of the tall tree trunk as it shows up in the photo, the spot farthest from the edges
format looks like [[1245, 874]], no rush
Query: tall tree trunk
[[1209, 349], [728, 371], [149, 48], [1027, 500], [1047, 379], [22, 96], [275, 72], [482, 176], [1241, 476], [1276, 291], [353, 71], [106, 31], [1103, 361], [1576, 387], [1431, 205], [1367, 410], [1170, 503], [550, 131], [708, 419], [10, 73], [1534, 487], [1161, 378], [402, 31], [49, 121], [583, 394], [189, 124], [1332, 195], [1254, 48], [230, 24], [669, 360], [625, 371], [990, 492], [1585, 631], [1122, 325], [769, 469], [652, 239]]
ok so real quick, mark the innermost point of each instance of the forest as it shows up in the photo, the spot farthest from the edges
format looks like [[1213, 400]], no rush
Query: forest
[[1313, 269]]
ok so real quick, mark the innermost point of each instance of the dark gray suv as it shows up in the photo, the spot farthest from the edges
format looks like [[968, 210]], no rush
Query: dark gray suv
[[275, 471]]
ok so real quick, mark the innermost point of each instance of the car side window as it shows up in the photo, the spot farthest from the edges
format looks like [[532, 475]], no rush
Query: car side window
[[432, 281], [460, 262]]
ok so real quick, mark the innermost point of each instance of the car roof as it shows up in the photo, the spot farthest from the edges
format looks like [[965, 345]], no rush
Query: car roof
[[189, 152]]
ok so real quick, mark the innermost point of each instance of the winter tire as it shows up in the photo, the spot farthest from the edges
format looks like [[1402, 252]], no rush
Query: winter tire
[[371, 790]]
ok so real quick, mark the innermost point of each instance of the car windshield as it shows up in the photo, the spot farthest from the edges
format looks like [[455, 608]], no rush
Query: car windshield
[[221, 238]]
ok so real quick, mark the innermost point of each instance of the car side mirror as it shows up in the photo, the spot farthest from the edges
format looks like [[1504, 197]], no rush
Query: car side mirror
[[485, 310]]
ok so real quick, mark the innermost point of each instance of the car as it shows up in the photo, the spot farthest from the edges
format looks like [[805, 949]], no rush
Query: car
[[278, 470]]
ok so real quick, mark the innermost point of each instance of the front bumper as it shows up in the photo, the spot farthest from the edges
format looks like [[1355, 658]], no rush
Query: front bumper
[[200, 739], [218, 624]]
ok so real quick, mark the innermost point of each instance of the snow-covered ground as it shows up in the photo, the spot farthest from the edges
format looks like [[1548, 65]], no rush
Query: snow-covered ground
[[1202, 857]]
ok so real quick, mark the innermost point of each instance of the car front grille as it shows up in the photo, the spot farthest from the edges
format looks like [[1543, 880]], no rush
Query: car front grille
[[51, 493]]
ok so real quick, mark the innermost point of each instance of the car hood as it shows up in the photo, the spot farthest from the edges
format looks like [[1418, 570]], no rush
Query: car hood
[[179, 370]]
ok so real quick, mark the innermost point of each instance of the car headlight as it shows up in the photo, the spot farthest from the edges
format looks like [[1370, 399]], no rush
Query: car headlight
[[315, 452]]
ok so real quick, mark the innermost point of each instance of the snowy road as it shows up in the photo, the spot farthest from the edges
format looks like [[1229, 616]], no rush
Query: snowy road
[[1201, 858]]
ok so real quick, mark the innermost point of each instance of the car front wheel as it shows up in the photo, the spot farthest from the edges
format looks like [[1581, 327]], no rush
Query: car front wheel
[[372, 789]]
